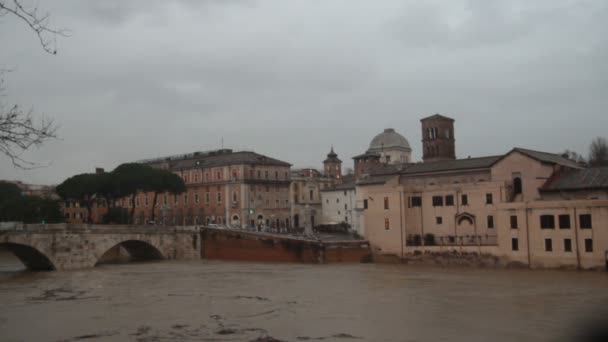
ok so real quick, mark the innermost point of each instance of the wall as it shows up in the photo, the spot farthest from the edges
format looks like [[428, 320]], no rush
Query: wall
[[339, 206], [242, 246]]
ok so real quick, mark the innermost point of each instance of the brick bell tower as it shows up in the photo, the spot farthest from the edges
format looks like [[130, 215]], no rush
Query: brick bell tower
[[332, 165], [438, 141]]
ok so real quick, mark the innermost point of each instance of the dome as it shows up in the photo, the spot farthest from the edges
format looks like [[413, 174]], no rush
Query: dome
[[389, 140]]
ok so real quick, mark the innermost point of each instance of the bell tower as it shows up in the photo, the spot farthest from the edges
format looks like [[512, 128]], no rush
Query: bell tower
[[438, 141], [332, 165]]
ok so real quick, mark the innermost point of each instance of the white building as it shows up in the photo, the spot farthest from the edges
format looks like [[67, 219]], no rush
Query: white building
[[339, 205]]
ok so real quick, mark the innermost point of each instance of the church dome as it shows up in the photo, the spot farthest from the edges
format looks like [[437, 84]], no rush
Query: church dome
[[389, 140]]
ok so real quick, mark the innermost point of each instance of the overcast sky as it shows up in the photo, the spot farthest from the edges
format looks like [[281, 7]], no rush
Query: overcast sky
[[288, 79]]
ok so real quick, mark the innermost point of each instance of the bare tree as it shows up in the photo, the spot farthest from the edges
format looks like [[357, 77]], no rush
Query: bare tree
[[574, 156], [598, 152], [18, 129]]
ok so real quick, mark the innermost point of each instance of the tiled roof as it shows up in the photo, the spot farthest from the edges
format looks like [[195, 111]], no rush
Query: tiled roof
[[223, 159], [546, 157], [348, 183], [585, 179], [436, 116], [451, 165], [371, 180]]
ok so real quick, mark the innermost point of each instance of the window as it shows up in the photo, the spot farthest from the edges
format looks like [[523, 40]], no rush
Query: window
[[311, 193], [276, 175], [514, 244], [218, 175], [219, 197], [513, 222], [490, 221], [464, 200], [386, 224], [344, 192], [165, 199], [207, 197], [186, 199], [337, 200], [416, 201], [196, 199], [259, 174], [385, 203], [185, 178], [547, 222], [268, 189], [266, 174], [146, 200], [234, 197], [588, 245], [437, 201], [206, 176], [137, 201], [449, 200], [364, 204], [567, 245], [517, 186], [345, 207], [564, 221], [548, 245], [489, 199], [439, 220], [585, 221]]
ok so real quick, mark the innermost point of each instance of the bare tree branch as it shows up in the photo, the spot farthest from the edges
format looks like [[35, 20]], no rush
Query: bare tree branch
[[18, 129], [37, 22]]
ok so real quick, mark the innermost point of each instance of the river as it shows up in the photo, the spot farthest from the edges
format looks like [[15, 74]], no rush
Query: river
[[231, 301]]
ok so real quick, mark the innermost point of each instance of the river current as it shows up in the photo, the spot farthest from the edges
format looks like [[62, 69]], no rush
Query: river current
[[232, 301]]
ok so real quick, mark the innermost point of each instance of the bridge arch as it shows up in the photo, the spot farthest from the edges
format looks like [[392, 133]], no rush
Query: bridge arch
[[30, 256], [137, 249]]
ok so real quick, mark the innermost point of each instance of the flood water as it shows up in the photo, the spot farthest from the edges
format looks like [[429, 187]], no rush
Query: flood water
[[230, 301]]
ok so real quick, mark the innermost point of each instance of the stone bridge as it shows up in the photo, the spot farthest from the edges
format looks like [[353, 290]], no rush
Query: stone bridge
[[72, 246], [77, 246]]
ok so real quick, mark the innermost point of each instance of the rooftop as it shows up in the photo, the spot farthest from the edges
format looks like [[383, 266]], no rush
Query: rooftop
[[582, 179], [217, 158]]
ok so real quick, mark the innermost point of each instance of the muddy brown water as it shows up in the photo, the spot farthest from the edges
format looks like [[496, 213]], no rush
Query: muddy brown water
[[231, 301]]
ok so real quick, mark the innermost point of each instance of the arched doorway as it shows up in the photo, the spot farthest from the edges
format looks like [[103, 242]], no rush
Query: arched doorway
[[236, 221], [517, 186]]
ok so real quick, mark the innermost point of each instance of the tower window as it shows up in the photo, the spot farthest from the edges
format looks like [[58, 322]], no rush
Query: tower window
[[386, 203]]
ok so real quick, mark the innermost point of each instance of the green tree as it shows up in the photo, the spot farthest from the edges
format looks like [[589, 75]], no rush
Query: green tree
[[164, 181], [128, 180], [27, 209], [82, 188]]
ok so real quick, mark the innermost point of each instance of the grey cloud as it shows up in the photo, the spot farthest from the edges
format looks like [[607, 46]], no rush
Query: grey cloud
[[141, 78]]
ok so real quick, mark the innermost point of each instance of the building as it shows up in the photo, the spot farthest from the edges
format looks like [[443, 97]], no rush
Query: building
[[339, 202], [305, 194], [388, 147], [528, 207], [238, 189]]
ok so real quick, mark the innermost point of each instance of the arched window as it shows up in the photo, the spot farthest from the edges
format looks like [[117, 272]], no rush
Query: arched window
[[517, 187]]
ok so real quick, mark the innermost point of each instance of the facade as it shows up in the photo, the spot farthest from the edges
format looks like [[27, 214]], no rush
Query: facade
[[528, 207], [239, 189], [305, 194], [339, 203]]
